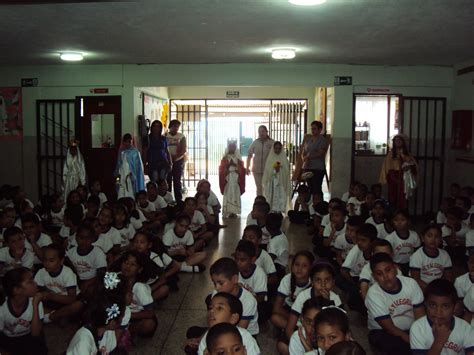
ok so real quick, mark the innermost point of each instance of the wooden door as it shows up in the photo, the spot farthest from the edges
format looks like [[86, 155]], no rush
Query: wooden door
[[99, 121]]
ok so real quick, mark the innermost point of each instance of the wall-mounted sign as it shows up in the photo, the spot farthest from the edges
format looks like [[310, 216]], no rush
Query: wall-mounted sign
[[232, 94], [99, 91], [28, 82], [342, 80]]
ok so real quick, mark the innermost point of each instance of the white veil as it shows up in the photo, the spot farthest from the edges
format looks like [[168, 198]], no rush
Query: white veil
[[284, 175]]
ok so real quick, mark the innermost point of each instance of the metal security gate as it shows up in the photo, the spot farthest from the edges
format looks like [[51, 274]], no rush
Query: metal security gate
[[54, 128], [424, 122]]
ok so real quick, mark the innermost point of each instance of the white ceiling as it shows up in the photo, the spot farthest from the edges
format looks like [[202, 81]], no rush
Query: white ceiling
[[398, 32]]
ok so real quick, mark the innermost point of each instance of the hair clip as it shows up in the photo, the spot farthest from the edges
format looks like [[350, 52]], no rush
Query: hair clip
[[111, 280], [112, 312], [334, 307]]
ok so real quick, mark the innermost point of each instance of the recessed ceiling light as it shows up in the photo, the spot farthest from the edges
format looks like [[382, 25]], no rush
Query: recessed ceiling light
[[307, 2], [283, 53], [71, 56]]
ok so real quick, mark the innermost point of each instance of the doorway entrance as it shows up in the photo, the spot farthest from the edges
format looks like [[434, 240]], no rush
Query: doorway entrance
[[209, 124]]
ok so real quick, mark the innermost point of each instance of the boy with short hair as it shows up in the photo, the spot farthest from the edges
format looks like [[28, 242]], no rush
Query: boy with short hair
[[344, 243], [224, 338], [72, 219], [14, 254], [227, 308], [336, 227], [260, 213], [278, 246], [35, 239], [440, 332], [92, 207], [7, 220], [393, 303], [465, 282], [454, 231], [300, 212], [251, 276], [225, 276], [198, 221], [154, 197]]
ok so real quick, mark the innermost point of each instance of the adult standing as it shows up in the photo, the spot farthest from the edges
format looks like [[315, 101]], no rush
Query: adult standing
[[314, 149], [399, 171], [129, 169], [155, 151], [177, 148], [258, 154]]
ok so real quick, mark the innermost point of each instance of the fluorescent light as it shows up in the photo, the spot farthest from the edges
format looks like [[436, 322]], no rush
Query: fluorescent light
[[71, 56], [307, 2], [283, 53]]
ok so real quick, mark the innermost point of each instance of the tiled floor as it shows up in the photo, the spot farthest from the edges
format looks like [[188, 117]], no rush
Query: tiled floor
[[186, 307]]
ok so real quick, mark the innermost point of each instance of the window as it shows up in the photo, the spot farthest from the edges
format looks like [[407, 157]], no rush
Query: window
[[376, 120]]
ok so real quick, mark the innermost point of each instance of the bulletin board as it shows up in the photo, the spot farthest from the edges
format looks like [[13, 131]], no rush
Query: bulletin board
[[155, 108], [11, 114]]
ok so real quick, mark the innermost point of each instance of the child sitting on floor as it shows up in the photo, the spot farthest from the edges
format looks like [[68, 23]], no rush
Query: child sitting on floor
[[14, 254], [278, 246]]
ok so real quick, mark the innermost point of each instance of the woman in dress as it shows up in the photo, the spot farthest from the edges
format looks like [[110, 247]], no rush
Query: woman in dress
[[155, 151], [129, 169], [231, 180], [276, 179], [399, 172], [74, 170]]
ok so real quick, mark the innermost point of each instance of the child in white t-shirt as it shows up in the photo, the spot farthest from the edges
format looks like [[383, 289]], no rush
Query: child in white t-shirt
[[404, 241], [14, 254], [441, 332], [470, 236], [58, 286], [21, 315], [278, 246], [291, 286], [73, 217], [344, 242], [162, 186], [454, 232], [143, 204], [378, 220], [35, 239], [331, 326], [155, 198], [212, 200], [336, 227], [393, 304], [430, 262], [198, 225], [446, 203], [109, 238], [354, 203], [122, 225], [56, 213]]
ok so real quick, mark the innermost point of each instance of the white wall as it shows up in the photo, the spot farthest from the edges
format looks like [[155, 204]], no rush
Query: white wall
[[68, 81]]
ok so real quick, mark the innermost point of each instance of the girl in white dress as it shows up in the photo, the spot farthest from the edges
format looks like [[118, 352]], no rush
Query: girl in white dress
[[232, 180], [74, 170]]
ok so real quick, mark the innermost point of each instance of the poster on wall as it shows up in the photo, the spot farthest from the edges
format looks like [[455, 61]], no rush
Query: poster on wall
[[11, 114], [155, 108]]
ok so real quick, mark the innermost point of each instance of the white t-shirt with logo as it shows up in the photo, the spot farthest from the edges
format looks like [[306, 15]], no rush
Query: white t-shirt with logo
[[173, 242], [431, 268], [16, 326], [256, 282], [87, 265], [403, 248], [355, 261], [284, 289], [59, 284]]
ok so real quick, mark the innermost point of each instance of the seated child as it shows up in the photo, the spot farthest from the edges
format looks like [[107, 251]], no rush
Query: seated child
[[354, 203], [137, 218], [430, 262], [122, 225], [454, 230], [92, 207], [95, 189], [300, 212], [404, 241], [87, 259], [181, 246], [464, 283], [227, 308], [464, 203], [440, 332], [253, 234], [259, 212], [291, 286], [58, 286], [198, 223], [446, 204], [251, 219], [367, 206], [366, 278], [378, 220], [322, 282], [56, 212], [225, 276], [212, 200], [350, 193], [251, 276], [35, 239], [335, 228], [14, 254], [143, 204], [345, 242], [72, 219], [358, 257], [393, 304], [301, 341], [331, 327], [278, 246], [377, 191], [21, 315], [143, 243], [7, 220], [225, 338], [326, 220], [346, 347], [154, 197], [162, 186], [206, 211]]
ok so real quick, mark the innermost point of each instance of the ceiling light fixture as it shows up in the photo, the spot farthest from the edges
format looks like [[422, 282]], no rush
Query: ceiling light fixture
[[71, 56], [283, 53], [307, 2]]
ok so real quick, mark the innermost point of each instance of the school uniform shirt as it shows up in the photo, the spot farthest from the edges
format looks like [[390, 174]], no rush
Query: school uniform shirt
[[326, 220], [265, 261], [247, 339], [42, 241], [197, 221], [265, 235], [430, 267], [278, 246], [83, 343], [213, 201], [284, 289], [381, 230], [366, 274], [470, 240], [398, 305], [141, 297], [138, 222], [87, 265], [343, 244], [249, 309], [168, 197], [104, 243], [357, 204], [460, 234], [102, 198], [59, 283], [16, 326], [159, 203], [126, 234], [305, 295], [460, 341], [57, 218], [150, 207], [403, 248], [440, 218], [355, 261], [345, 196], [255, 282], [173, 242], [328, 229], [463, 283], [469, 300], [9, 262], [296, 347], [65, 233], [250, 220]]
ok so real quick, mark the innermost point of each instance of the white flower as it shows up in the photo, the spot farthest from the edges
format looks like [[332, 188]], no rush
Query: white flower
[[111, 280]]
